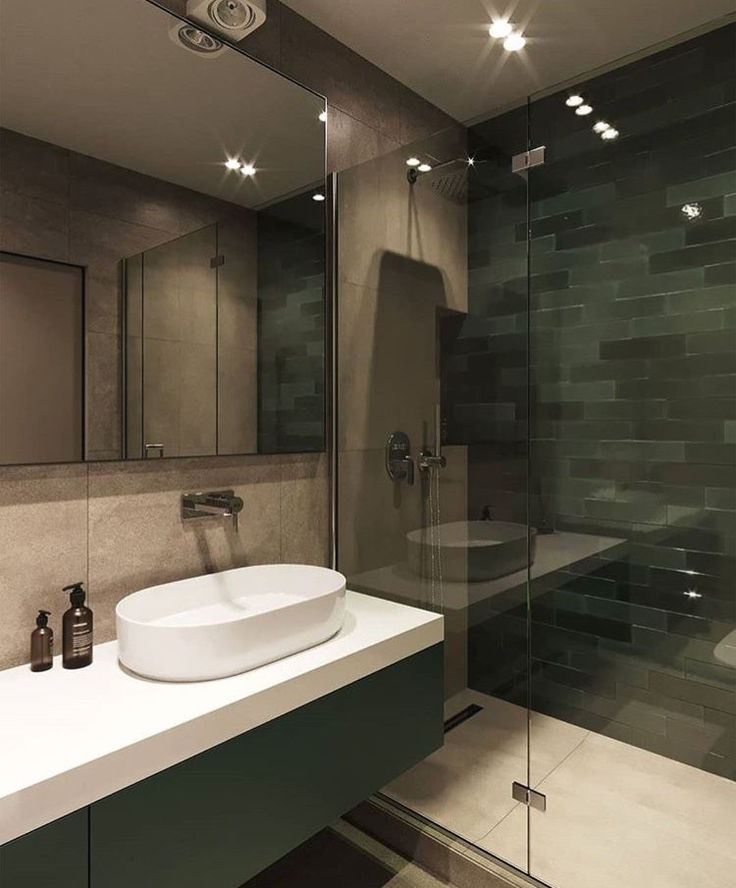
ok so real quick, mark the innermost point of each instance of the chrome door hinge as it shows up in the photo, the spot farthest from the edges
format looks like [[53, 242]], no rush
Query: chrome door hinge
[[527, 159], [528, 796], [217, 261]]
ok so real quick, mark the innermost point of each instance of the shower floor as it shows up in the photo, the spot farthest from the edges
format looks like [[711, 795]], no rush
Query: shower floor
[[616, 814]]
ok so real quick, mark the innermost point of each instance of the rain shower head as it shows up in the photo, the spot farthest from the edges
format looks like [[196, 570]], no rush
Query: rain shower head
[[449, 179]]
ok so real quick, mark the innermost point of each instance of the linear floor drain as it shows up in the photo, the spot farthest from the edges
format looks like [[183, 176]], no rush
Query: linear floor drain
[[462, 716]]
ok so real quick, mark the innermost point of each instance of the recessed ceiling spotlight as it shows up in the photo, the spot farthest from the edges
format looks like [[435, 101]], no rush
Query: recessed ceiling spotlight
[[500, 29], [424, 167], [318, 196], [232, 163], [573, 101], [514, 42], [609, 134], [601, 126], [413, 162], [322, 117], [583, 110], [247, 169]]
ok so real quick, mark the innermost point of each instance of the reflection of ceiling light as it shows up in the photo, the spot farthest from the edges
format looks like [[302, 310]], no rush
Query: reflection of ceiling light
[[247, 169], [601, 126], [582, 110], [197, 41], [609, 134], [693, 593], [471, 161], [691, 211], [500, 29], [322, 116], [424, 167], [514, 42], [413, 162], [574, 101], [232, 163], [318, 196]]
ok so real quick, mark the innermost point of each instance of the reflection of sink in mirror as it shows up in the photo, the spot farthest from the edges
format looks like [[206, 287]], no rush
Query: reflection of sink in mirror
[[225, 623], [472, 550]]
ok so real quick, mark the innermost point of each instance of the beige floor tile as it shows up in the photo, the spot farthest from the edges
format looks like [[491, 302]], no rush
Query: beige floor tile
[[508, 839], [618, 815], [458, 791]]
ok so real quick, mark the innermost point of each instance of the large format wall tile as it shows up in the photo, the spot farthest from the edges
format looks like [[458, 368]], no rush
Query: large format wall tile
[[137, 537], [43, 534], [305, 508]]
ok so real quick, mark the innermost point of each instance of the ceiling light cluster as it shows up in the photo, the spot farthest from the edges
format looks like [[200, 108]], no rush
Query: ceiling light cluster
[[582, 109], [234, 163], [513, 40]]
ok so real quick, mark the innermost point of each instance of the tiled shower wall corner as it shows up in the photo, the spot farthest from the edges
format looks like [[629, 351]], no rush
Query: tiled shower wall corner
[[54, 520], [632, 401]]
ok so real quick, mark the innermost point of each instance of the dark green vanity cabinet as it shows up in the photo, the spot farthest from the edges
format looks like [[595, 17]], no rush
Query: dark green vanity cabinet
[[52, 856], [220, 817]]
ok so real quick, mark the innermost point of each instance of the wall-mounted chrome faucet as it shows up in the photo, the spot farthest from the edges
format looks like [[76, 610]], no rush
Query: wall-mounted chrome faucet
[[211, 504], [428, 460]]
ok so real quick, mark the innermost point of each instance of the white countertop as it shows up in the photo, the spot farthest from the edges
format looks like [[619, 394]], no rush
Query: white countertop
[[70, 737]]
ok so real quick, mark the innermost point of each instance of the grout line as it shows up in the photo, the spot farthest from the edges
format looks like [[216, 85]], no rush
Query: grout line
[[498, 823], [565, 758]]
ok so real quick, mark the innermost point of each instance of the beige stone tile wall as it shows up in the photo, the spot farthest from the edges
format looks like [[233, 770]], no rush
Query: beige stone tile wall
[[117, 526], [136, 536], [402, 264]]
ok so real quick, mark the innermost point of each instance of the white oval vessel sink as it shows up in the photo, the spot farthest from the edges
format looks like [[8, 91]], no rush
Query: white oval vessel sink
[[473, 551], [225, 623]]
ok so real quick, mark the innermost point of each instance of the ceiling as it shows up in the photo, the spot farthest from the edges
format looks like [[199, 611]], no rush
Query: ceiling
[[441, 48], [105, 79]]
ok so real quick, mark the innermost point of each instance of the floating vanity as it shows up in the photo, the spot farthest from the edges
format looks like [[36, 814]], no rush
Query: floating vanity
[[111, 780]]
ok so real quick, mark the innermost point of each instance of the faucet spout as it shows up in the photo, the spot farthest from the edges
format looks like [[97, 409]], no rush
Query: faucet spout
[[211, 504]]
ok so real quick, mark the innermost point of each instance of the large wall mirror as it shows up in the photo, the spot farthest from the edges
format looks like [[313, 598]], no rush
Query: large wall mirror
[[162, 242]]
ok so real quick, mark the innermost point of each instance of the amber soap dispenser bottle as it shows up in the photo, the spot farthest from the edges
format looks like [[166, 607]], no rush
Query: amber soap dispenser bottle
[[77, 630], [42, 644]]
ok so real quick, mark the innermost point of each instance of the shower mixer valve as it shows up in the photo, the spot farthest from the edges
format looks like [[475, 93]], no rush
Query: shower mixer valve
[[399, 461]]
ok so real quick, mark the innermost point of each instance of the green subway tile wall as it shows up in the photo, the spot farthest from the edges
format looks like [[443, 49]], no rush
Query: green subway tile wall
[[629, 330], [291, 326]]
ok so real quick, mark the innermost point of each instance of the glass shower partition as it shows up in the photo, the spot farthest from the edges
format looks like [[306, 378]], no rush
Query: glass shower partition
[[633, 401], [585, 370], [418, 329]]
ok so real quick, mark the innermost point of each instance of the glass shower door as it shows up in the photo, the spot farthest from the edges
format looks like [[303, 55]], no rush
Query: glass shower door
[[633, 402], [420, 327]]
